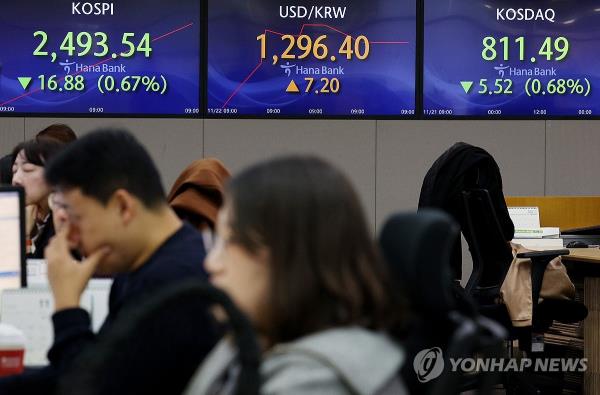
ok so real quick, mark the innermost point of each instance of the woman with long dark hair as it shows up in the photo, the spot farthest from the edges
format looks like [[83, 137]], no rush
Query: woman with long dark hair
[[294, 252]]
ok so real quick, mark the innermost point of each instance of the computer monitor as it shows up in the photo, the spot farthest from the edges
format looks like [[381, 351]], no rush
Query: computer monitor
[[13, 272]]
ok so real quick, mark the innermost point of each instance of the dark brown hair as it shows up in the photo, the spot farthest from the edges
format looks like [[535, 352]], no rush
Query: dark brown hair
[[325, 271], [104, 161], [39, 150], [58, 131]]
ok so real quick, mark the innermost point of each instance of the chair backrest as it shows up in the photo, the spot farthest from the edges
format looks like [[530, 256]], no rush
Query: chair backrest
[[489, 248], [156, 346], [464, 167], [417, 248]]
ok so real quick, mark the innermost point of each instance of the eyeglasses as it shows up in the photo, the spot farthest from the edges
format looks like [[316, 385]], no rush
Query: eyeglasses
[[55, 203]]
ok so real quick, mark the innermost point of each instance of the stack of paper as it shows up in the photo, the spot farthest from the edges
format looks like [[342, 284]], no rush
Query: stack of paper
[[528, 231], [540, 244]]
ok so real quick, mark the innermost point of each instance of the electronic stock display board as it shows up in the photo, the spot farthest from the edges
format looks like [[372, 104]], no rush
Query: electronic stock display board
[[128, 57], [267, 58], [499, 58], [349, 58]]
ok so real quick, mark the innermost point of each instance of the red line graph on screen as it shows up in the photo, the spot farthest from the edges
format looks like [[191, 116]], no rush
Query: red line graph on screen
[[98, 63], [297, 35]]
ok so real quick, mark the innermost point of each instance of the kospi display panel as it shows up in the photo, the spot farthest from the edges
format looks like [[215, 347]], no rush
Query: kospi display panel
[[348, 58], [512, 58], [134, 57]]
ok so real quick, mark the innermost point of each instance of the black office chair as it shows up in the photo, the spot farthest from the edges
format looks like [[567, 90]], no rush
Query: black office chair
[[492, 256], [464, 167], [166, 356], [418, 248]]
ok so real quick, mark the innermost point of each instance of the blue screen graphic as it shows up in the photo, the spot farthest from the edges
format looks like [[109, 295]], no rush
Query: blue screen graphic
[[310, 59], [511, 58], [134, 57]]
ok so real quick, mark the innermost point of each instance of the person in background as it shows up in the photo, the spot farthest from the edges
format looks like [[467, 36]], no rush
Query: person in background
[[197, 195], [28, 162], [64, 133], [60, 132], [294, 252]]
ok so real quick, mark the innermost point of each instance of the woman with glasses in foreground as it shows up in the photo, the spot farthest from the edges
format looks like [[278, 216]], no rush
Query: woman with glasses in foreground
[[294, 252]]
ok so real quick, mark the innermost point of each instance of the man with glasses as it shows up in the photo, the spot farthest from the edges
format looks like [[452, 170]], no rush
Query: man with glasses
[[111, 206]]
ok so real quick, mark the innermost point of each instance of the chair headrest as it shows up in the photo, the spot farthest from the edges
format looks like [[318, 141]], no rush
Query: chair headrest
[[417, 247]]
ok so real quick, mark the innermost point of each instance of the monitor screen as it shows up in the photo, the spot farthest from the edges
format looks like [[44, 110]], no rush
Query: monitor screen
[[12, 238], [270, 58], [502, 58], [134, 57]]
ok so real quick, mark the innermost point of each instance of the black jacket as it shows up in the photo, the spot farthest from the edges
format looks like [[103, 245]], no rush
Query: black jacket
[[463, 167]]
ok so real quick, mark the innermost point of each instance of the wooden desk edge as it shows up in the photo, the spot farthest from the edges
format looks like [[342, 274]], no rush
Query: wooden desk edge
[[591, 255]]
